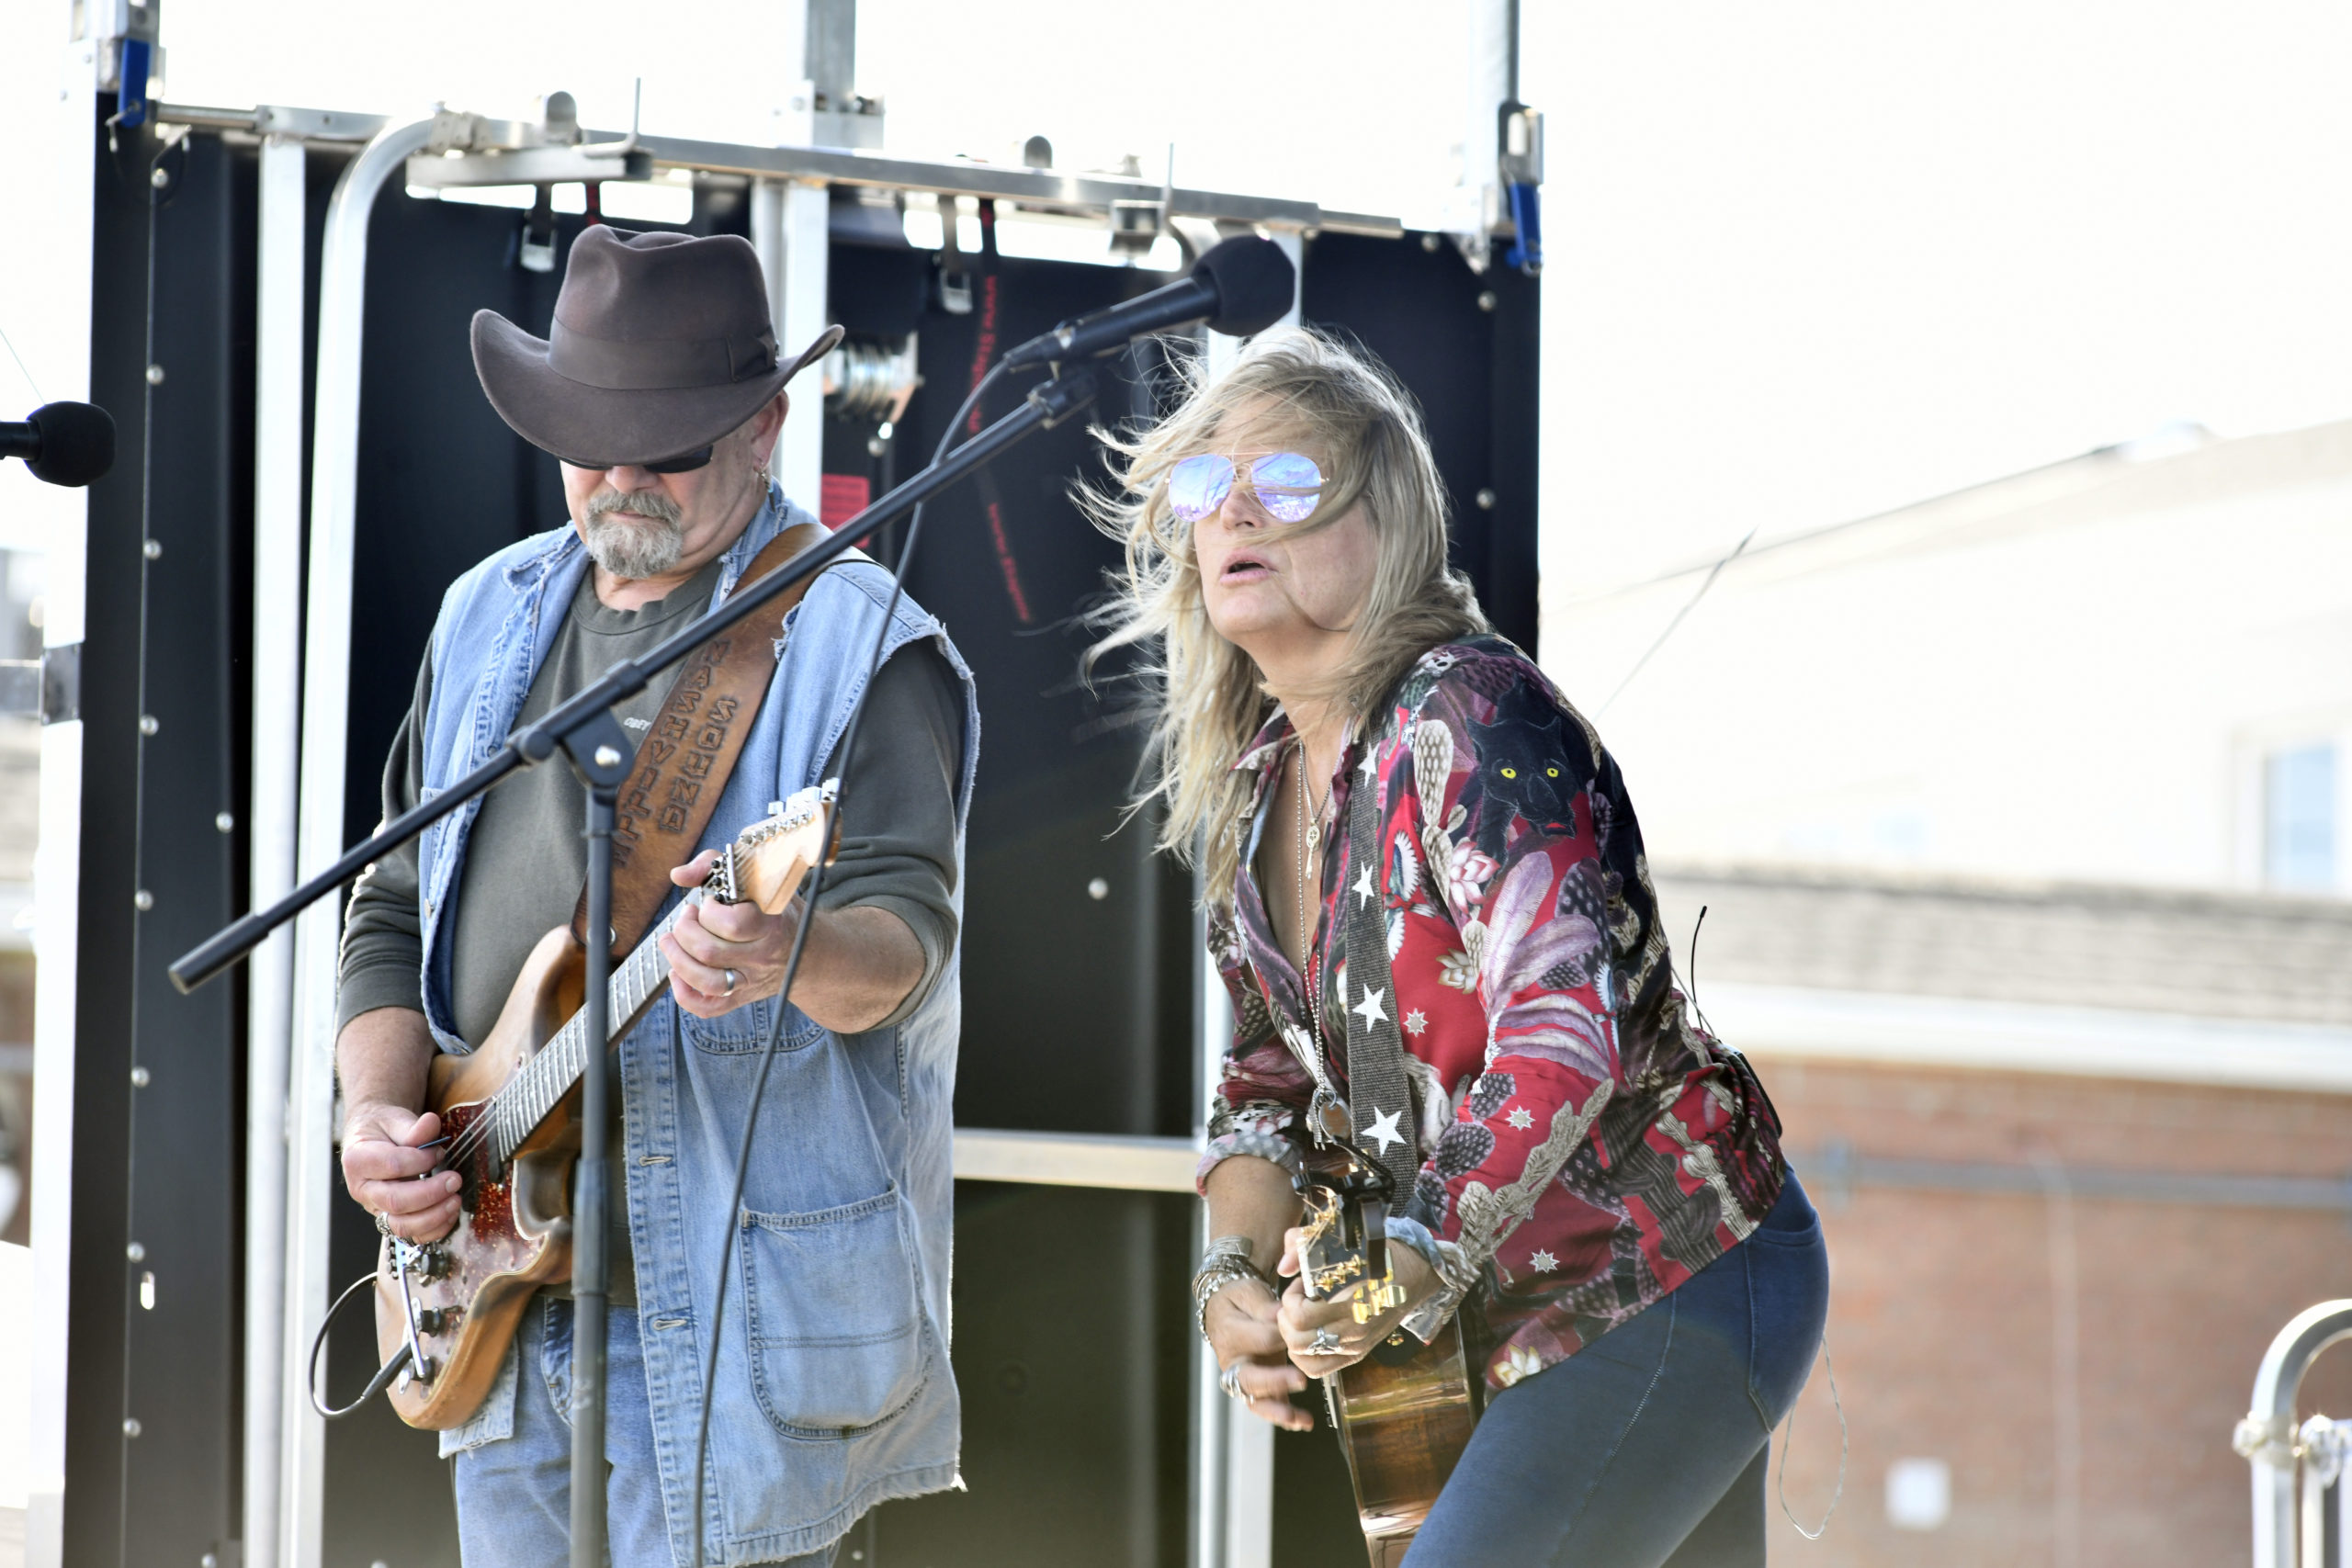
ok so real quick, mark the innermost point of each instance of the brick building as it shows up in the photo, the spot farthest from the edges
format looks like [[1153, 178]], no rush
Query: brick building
[[2080, 1151]]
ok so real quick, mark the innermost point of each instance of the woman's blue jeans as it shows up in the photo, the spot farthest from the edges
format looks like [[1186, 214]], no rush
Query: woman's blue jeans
[[1648, 1448]]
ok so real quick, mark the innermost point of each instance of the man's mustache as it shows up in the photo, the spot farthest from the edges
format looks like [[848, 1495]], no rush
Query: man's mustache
[[640, 504]]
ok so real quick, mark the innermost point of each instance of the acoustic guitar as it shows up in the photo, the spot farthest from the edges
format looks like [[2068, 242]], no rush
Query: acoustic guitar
[[509, 1120], [1404, 1412]]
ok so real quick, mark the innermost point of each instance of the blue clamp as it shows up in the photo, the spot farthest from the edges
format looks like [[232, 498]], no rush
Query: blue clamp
[[138, 63], [1526, 251]]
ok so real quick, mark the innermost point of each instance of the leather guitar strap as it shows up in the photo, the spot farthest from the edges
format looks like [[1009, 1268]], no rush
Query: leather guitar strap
[[1380, 1099], [686, 759]]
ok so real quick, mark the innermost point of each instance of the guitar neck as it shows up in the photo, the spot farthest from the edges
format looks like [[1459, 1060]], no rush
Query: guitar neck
[[518, 1109]]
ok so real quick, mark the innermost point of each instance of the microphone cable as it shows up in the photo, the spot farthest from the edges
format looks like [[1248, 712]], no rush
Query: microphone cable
[[846, 751]]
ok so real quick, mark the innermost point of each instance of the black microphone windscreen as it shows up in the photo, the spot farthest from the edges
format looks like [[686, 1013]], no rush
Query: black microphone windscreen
[[1255, 284], [76, 443]]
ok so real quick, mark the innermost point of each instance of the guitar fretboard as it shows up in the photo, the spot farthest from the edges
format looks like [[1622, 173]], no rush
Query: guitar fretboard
[[548, 1077]]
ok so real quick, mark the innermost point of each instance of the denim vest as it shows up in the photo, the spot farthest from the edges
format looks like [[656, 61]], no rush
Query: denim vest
[[834, 1390]]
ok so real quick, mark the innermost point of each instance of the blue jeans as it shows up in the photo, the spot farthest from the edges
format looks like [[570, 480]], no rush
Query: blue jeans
[[515, 1495], [1648, 1448]]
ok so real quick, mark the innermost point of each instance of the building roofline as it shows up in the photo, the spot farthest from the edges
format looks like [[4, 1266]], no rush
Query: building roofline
[[2104, 897], [1910, 1031]]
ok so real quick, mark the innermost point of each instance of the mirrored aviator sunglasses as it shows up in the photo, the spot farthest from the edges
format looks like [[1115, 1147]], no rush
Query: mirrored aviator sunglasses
[[683, 463], [1287, 485]]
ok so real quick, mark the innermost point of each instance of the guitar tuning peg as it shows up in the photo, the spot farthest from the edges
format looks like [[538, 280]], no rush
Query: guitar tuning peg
[[775, 809]]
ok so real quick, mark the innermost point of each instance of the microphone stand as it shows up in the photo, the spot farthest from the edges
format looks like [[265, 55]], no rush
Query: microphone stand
[[598, 750]]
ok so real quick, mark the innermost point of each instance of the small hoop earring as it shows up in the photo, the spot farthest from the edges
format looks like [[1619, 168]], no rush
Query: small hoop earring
[[761, 474]]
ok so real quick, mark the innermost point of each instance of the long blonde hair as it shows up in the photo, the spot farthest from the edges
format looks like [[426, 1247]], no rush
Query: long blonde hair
[[1207, 699]]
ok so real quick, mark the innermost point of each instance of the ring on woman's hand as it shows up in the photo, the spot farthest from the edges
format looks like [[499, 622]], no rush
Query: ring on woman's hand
[[732, 979], [1325, 1343], [1229, 1380]]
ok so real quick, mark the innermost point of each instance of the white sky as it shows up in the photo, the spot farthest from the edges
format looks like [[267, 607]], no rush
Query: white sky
[[1807, 261]]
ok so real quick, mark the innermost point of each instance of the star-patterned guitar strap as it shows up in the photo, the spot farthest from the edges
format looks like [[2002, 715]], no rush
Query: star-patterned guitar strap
[[1380, 1098]]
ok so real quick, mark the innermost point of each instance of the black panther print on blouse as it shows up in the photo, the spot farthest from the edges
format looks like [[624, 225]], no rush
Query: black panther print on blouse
[[1524, 769]]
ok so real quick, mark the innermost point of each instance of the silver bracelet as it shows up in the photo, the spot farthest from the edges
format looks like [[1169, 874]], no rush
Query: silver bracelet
[[1226, 1247], [1217, 1271]]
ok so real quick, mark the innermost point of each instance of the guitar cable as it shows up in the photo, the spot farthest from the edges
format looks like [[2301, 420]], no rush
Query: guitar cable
[[384, 1374], [847, 753]]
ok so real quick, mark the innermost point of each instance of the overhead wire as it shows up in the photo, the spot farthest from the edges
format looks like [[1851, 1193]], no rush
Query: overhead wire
[[1692, 604], [22, 367]]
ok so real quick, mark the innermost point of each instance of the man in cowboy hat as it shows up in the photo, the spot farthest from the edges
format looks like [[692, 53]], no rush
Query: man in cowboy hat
[[660, 390]]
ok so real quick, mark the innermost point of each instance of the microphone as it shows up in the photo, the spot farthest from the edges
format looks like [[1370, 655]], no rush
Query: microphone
[[64, 444], [1242, 286]]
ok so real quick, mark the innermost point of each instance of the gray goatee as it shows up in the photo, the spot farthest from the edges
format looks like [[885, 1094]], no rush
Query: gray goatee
[[634, 535]]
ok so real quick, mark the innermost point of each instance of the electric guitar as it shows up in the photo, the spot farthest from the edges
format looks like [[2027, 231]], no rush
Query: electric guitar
[[509, 1120], [1404, 1412]]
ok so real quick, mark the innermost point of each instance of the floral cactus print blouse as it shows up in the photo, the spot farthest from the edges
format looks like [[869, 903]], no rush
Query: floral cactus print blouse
[[1585, 1145]]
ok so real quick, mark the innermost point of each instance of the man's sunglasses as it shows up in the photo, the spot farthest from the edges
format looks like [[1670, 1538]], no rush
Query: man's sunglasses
[[1288, 484], [683, 463]]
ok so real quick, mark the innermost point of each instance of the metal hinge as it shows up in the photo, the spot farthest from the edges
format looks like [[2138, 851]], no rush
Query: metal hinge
[[61, 683]]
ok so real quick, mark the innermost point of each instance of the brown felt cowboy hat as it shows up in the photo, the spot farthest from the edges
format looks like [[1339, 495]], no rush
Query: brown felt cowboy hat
[[661, 345]]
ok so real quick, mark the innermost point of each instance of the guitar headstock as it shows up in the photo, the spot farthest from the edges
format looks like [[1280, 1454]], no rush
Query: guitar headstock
[[765, 864], [1344, 1254]]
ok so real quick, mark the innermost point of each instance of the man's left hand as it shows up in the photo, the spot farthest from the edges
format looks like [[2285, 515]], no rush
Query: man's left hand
[[711, 939], [1300, 1318]]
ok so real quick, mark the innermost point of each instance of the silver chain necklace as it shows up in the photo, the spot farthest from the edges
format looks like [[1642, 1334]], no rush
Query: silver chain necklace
[[1311, 835]]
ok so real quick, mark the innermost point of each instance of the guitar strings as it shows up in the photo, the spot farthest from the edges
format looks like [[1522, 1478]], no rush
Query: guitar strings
[[509, 1115], [499, 1115]]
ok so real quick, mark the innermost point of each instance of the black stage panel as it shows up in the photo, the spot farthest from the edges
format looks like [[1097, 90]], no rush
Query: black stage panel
[[1078, 1007], [154, 1360], [1464, 345], [1070, 1358]]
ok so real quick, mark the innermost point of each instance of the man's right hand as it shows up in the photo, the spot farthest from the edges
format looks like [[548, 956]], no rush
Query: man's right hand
[[1242, 1327], [383, 1154]]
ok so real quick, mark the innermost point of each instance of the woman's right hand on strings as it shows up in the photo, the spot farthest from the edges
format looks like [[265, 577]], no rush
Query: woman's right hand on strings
[[382, 1159], [1243, 1330]]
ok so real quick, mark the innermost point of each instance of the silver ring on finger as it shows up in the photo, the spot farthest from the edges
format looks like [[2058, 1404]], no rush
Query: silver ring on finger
[[732, 979], [1229, 1380], [1325, 1343]]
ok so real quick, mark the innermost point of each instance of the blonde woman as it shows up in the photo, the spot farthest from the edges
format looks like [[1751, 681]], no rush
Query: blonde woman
[[1597, 1185]]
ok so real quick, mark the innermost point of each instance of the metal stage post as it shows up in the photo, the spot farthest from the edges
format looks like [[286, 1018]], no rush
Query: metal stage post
[[57, 861], [280, 285], [326, 682]]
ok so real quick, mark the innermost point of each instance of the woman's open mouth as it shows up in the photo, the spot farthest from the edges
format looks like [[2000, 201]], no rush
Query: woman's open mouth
[[1244, 567]]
